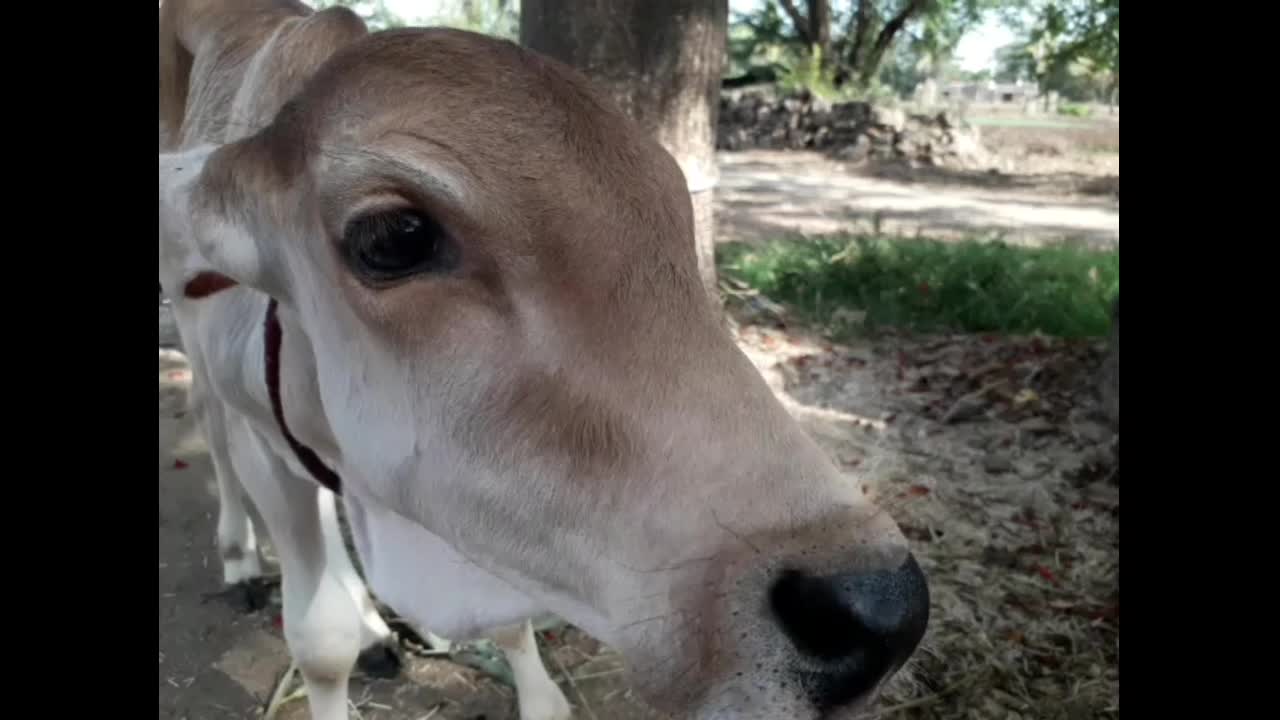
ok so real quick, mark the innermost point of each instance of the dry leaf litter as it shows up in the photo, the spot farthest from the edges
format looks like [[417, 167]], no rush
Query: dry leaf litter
[[992, 455]]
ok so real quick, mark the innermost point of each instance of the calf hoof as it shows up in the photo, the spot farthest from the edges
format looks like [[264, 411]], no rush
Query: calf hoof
[[247, 596], [255, 594], [381, 661]]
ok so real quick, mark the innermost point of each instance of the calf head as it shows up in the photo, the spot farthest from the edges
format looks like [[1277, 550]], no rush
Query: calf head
[[495, 273]]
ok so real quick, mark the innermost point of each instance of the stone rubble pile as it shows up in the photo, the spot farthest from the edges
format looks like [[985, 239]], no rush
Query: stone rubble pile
[[851, 131]]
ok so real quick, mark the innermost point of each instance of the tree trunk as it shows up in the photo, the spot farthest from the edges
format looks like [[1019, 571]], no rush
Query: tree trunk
[[662, 61], [859, 30], [870, 64], [798, 21], [814, 26], [820, 28]]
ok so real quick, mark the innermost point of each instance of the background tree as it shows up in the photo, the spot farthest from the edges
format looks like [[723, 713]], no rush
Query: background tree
[[500, 18], [860, 42], [492, 17], [1068, 46], [662, 61], [374, 12], [813, 26]]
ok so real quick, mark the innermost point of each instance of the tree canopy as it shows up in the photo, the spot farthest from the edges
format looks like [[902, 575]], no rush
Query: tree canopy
[[861, 46], [1072, 46], [1068, 45]]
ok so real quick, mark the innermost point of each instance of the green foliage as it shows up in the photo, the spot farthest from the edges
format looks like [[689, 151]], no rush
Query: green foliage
[[374, 12], [500, 18], [1071, 46], [870, 49], [757, 38], [927, 285], [491, 17], [934, 38], [1074, 110], [804, 70], [801, 71], [1014, 62]]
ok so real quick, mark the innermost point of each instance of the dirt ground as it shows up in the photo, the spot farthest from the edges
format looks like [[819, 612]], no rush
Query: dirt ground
[[988, 451], [1059, 182]]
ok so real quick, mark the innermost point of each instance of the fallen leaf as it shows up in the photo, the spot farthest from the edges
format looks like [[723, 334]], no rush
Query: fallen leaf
[[1025, 396], [1046, 573], [919, 490]]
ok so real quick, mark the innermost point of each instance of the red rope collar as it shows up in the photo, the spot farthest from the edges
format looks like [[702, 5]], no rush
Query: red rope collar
[[205, 284], [305, 455]]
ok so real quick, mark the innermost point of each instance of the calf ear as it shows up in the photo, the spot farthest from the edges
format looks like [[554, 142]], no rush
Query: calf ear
[[212, 227]]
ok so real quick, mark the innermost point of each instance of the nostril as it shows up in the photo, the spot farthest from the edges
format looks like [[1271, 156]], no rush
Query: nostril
[[814, 616], [861, 626]]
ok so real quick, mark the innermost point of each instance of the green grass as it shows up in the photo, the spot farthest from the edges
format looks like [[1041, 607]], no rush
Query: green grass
[[924, 285], [1074, 110]]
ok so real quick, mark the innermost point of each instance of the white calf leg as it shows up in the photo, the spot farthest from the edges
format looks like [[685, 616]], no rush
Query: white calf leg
[[375, 636], [322, 623], [537, 694], [237, 541]]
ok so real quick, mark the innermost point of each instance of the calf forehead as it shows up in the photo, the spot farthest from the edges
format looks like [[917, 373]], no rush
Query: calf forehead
[[508, 113], [391, 76]]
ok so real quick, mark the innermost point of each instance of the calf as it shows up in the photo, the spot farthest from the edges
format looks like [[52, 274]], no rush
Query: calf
[[446, 279]]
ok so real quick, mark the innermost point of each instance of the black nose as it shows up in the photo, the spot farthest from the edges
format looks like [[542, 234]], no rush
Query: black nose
[[859, 628]]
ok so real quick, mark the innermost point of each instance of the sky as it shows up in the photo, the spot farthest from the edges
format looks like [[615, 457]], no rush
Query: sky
[[976, 51]]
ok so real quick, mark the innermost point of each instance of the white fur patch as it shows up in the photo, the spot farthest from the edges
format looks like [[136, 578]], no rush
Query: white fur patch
[[429, 583], [199, 241], [537, 695]]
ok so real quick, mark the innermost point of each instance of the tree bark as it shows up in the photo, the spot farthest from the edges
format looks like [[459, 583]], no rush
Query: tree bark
[[813, 27], [859, 30], [662, 61], [798, 21], [820, 28], [871, 63]]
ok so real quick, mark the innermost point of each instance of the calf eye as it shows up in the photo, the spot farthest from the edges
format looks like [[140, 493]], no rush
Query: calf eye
[[389, 245]]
